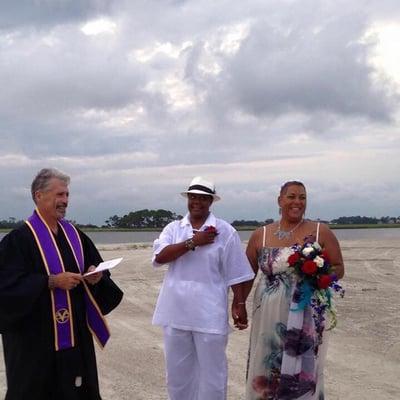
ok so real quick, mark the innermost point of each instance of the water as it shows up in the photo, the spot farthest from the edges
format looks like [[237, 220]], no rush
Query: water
[[372, 233], [143, 237], [341, 234]]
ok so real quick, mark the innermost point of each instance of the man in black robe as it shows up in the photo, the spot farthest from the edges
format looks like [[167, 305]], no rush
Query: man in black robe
[[35, 370]]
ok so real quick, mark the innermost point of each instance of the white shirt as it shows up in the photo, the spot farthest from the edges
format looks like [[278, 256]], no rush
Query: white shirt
[[194, 294]]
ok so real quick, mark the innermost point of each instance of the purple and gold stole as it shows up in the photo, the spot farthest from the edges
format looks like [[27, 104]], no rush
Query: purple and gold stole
[[60, 299]]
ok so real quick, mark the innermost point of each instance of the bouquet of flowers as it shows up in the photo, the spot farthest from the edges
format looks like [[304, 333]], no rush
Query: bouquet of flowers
[[316, 281]]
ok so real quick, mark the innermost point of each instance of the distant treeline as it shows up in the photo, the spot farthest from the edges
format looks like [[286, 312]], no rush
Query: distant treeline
[[241, 223], [365, 220], [11, 223], [159, 218], [142, 219]]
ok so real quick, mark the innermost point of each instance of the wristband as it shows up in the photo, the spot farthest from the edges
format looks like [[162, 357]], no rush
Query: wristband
[[189, 244], [51, 283]]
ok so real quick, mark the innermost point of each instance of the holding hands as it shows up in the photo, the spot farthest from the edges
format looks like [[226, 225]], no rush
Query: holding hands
[[239, 315]]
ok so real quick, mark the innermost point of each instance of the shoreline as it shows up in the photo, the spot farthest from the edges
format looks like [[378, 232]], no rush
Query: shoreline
[[238, 228]]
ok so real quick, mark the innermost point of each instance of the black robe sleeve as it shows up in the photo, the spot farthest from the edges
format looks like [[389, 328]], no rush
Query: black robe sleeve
[[20, 285], [106, 293]]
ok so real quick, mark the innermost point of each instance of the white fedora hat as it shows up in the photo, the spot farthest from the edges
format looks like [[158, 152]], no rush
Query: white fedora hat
[[201, 186]]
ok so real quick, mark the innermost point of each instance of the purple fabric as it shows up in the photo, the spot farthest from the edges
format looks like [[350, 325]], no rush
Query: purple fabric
[[298, 369], [95, 320], [74, 241], [61, 306]]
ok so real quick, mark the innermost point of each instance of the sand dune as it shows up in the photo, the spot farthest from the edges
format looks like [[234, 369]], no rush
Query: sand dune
[[364, 350]]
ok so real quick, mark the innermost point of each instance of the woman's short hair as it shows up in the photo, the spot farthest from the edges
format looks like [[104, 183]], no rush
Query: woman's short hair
[[286, 185], [43, 177]]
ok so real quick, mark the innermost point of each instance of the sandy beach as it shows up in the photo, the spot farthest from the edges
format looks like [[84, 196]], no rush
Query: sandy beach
[[364, 350]]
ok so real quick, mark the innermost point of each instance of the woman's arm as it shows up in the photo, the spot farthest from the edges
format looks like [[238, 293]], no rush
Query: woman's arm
[[331, 245], [251, 253]]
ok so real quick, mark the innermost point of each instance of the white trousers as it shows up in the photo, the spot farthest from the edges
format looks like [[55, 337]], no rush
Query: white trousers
[[196, 365]]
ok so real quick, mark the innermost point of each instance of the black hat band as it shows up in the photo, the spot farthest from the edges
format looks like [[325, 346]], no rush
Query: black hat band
[[202, 188]]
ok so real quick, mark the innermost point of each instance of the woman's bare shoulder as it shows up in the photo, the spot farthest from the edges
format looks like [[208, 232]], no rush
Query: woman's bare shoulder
[[321, 226], [257, 233], [257, 236], [312, 225]]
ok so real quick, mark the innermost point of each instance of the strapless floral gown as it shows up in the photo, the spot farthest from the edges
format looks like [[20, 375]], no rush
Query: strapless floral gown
[[271, 340]]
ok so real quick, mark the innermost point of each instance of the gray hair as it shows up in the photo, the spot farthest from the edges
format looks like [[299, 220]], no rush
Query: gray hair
[[43, 177], [286, 185]]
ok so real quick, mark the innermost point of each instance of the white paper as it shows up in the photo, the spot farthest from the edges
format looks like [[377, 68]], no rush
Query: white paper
[[105, 265]]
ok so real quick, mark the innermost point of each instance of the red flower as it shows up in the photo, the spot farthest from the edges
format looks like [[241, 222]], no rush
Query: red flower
[[260, 385], [324, 281], [325, 256], [293, 258], [309, 267], [211, 229]]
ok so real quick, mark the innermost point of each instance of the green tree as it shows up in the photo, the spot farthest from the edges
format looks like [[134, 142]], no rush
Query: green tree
[[112, 222], [143, 219]]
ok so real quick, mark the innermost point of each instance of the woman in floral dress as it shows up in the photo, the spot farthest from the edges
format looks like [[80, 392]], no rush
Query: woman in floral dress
[[288, 339]]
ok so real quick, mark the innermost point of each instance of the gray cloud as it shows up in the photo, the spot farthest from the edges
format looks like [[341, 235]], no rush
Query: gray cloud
[[248, 95], [317, 67], [47, 13]]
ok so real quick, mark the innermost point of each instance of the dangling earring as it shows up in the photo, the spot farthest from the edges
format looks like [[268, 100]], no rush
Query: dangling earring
[[280, 210]]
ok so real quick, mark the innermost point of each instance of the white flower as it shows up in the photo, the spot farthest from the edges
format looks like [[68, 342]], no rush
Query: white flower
[[319, 261], [307, 250], [317, 246]]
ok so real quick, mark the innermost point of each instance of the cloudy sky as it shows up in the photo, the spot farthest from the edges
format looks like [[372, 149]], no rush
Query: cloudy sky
[[134, 98]]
